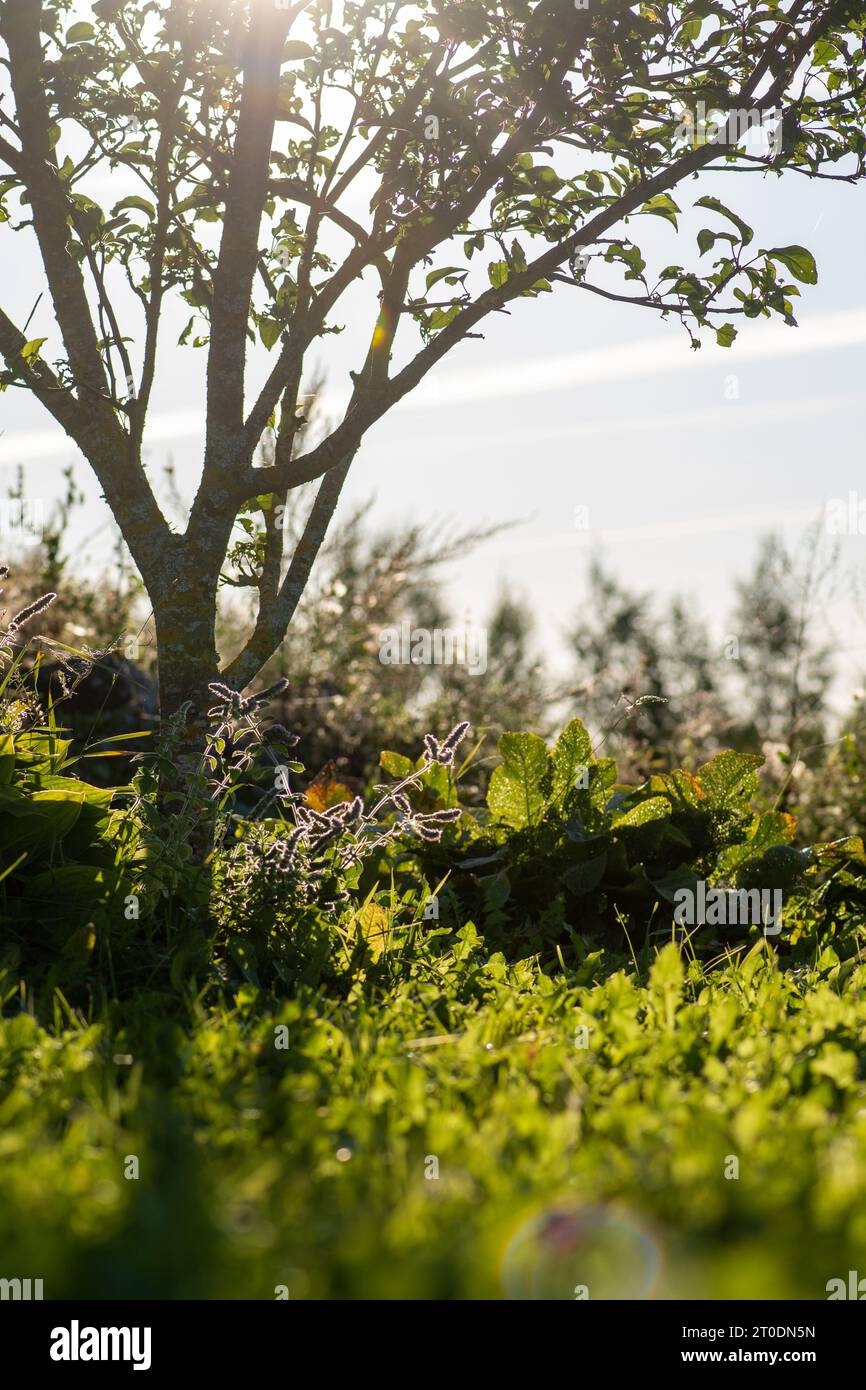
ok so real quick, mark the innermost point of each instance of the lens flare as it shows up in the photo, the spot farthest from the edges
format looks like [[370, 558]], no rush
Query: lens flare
[[570, 1251]]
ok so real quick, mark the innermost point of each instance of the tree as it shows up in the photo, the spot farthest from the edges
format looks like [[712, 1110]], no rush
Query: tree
[[784, 658], [500, 147], [648, 679]]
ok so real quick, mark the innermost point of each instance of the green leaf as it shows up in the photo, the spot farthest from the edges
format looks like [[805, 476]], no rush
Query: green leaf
[[715, 205], [7, 759], [583, 878], [515, 793], [396, 765], [296, 49], [674, 880], [841, 851], [666, 979], [437, 781], [497, 273], [662, 205], [269, 332], [767, 830], [548, 177], [839, 1064], [780, 866], [573, 753], [440, 318], [30, 351], [80, 32], [799, 261], [436, 275], [726, 335], [36, 823], [75, 790], [825, 52], [602, 776], [654, 808], [682, 789], [134, 201], [730, 779], [69, 884]]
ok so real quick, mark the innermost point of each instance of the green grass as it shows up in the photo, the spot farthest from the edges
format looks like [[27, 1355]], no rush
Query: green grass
[[551, 1091], [558, 1165]]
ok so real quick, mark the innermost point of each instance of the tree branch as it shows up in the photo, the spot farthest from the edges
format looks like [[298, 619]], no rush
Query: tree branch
[[20, 27], [275, 615], [88, 418], [236, 264], [376, 400]]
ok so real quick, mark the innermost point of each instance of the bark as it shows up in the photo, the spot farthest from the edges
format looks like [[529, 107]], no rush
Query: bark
[[187, 663], [185, 619]]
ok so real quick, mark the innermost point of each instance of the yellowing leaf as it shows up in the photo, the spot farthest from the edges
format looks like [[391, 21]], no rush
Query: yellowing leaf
[[325, 790]]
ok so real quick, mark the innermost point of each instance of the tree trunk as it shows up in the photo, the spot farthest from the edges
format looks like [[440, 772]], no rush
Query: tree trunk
[[187, 659], [187, 662], [184, 605]]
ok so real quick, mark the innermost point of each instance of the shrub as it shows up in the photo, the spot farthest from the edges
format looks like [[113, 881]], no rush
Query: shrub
[[66, 845]]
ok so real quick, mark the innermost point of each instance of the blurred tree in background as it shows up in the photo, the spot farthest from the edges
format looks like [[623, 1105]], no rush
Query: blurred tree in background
[[785, 662], [650, 678], [344, 701], [762, 685]]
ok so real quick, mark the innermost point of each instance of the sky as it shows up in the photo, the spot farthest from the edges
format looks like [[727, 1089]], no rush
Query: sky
[[590, 425]]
